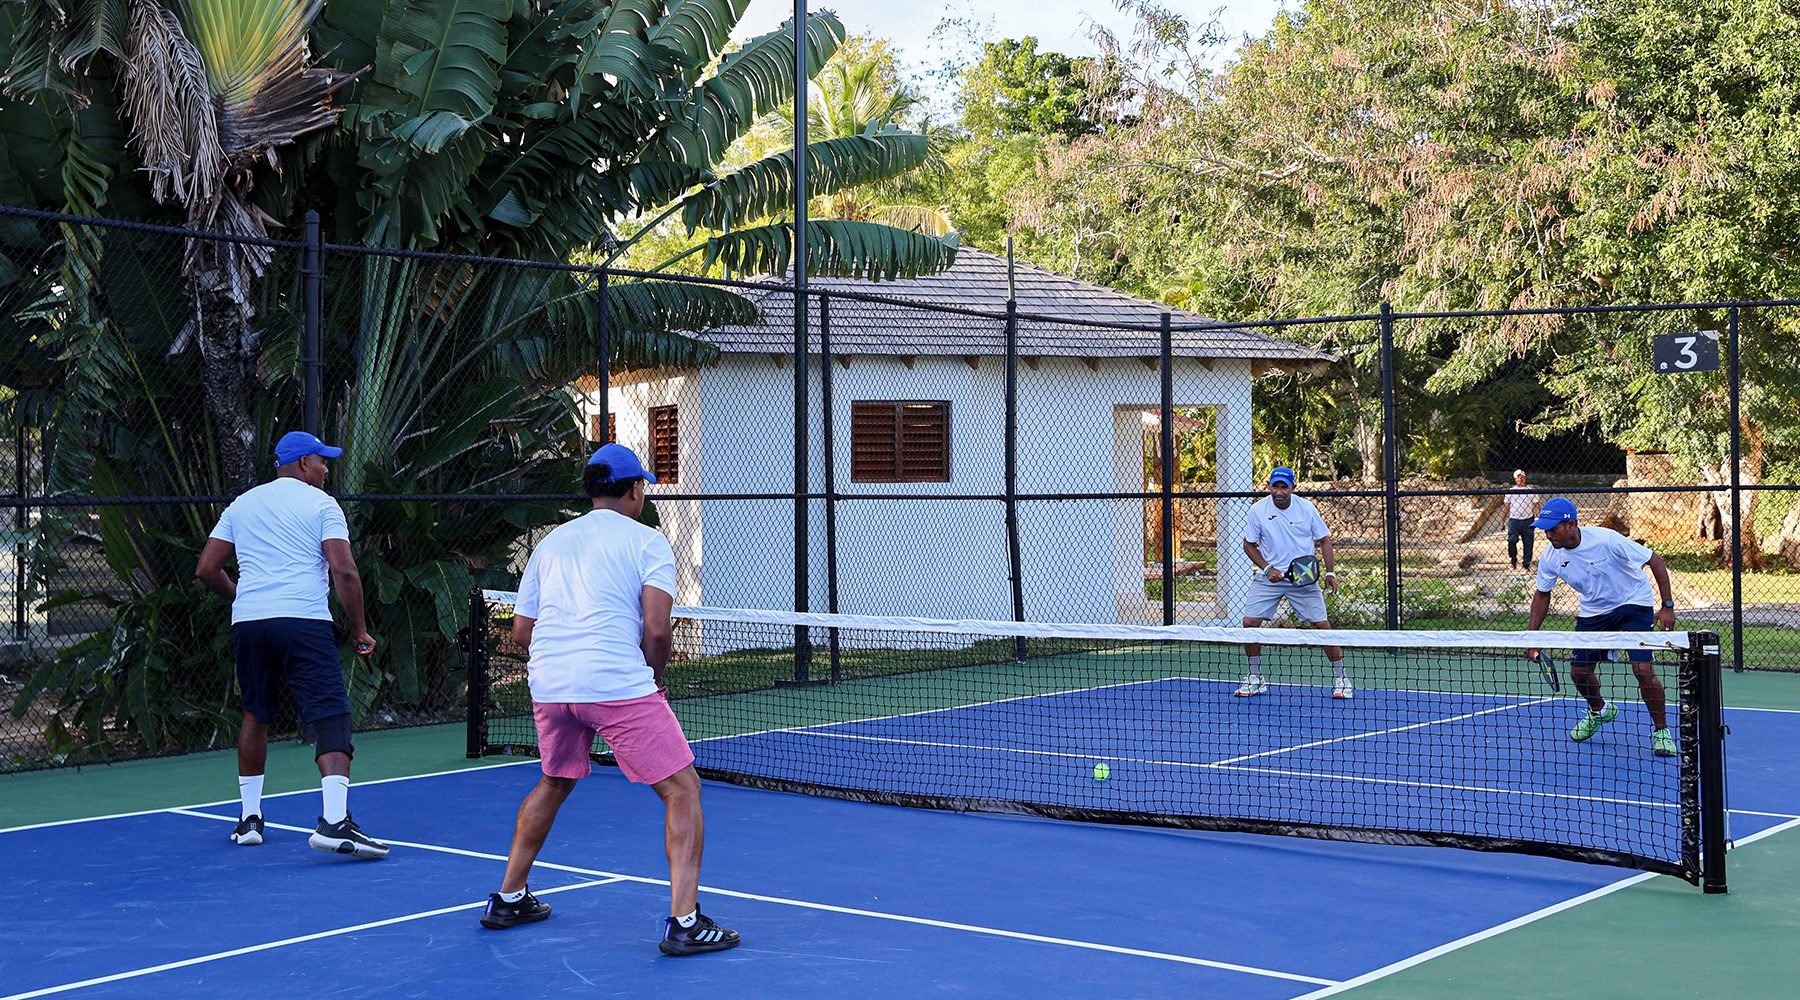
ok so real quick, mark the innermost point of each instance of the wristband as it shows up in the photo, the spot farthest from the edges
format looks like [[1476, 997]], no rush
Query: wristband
[[1331, 574]]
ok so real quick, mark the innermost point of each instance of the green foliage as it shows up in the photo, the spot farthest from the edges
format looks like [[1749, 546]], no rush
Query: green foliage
[[1016, 90], [523, 128]]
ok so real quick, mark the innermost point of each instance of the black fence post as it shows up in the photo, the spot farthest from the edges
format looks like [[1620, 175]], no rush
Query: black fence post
[[1737, 497], [312, 299], [830, 448], [603, 351], [1166, 394], [1015, 560], [1390, 466], [802, 474], [21, 488]]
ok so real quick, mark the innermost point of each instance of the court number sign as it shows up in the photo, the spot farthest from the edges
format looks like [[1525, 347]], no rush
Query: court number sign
[[1686, 352]]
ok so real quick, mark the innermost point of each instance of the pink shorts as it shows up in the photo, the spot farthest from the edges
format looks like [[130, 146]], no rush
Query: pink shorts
[[644, 735]]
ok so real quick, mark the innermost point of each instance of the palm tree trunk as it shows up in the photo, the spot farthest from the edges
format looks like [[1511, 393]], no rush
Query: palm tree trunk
[[220, 331]]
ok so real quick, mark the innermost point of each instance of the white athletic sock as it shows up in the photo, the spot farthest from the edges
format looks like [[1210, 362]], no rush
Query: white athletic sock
[[689, 920], [1255, 667], [1337, 670], [513, 897], [250, 791], [335, 788]]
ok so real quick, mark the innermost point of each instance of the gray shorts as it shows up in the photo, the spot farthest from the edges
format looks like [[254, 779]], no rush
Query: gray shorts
[[1264, 600]]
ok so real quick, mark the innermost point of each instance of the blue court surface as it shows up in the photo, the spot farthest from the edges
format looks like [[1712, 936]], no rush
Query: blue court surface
[[1489, 765], [833, 898]]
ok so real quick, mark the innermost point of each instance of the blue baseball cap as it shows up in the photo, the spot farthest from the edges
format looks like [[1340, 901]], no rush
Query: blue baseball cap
[[621, 463], [1282, 474], [1555, 511], [296, 445]]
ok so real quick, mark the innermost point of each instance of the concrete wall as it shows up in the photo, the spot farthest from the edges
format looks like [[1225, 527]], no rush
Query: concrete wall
[[1080, 431]]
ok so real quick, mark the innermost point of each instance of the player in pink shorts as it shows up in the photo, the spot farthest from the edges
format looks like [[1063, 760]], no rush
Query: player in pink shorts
[[593, 613]]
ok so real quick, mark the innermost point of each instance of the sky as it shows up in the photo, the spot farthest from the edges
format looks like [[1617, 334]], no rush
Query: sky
[[1059, 25]]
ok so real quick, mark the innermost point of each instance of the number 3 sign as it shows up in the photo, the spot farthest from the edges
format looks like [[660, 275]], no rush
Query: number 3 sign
[[1686, 352]]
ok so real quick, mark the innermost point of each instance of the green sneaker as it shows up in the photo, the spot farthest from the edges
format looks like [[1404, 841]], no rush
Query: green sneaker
[[1591, 722], [1662, 744]]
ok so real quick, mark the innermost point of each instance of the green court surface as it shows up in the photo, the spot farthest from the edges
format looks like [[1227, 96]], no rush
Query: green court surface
[[1643, 937]]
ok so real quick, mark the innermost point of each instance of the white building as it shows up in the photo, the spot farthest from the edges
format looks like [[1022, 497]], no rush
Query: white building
[[918, 409]]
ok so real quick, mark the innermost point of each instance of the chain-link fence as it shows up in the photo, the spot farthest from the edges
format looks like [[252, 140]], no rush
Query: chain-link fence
[[988, 443]]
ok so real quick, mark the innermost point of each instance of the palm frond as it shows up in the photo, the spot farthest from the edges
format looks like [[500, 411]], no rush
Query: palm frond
[[833, 165], [615, 54], [750, 83], [257, 65], [440, 56], [696, 31], [834, 247], [53, 43]]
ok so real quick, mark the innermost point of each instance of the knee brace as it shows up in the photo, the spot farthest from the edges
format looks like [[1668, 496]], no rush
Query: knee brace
[[332, 735]]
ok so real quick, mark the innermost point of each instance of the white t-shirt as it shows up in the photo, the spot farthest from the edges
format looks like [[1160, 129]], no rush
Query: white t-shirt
[[1606, 569], [1283, 536], [1521, 502], [279, 530], [584, 584]]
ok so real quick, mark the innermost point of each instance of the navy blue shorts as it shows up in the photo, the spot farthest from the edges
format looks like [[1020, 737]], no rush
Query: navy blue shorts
[[1629, 618], [301, 650]]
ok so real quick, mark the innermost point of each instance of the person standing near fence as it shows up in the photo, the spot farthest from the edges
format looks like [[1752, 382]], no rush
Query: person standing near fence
[[1607, 570], [1280, 535], [593, 617], [1521, 507], [292, 542]]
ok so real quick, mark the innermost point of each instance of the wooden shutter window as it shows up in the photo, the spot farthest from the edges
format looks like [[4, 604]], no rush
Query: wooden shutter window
[[665, 444], [899, 441]]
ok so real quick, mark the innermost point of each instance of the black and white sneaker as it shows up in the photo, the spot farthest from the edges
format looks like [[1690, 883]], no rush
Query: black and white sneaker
[[345, 837], [704, 936], [501, 914], [249, 832]]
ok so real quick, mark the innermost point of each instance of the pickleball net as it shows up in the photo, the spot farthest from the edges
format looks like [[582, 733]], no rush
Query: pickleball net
[[1452, 738]]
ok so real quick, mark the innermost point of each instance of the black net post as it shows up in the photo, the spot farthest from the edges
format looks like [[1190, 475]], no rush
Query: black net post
[[830, 455], [1166, 394], [1014, 558], [1390, 472], [475, 646], [312, 361], [1708, 710]]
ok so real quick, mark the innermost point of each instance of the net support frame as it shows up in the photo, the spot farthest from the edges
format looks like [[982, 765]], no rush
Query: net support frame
[[1701, 784]]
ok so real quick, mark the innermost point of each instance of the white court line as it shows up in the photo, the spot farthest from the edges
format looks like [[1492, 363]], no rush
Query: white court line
[[1463, 942], [1284, 772], [1382, 732], [271, 795], [934, 711], [829, 908], [284, 942]]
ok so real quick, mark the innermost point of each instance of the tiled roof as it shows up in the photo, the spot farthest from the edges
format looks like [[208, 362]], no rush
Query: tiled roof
[[978, 281]]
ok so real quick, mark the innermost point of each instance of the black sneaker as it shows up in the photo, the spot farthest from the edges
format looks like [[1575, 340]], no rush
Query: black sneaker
[[249, 831], [345, 837], [501, 914], [702, 937]]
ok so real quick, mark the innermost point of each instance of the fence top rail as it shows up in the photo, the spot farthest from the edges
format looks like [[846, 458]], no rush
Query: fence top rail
[[149, 227], [997, 315]]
